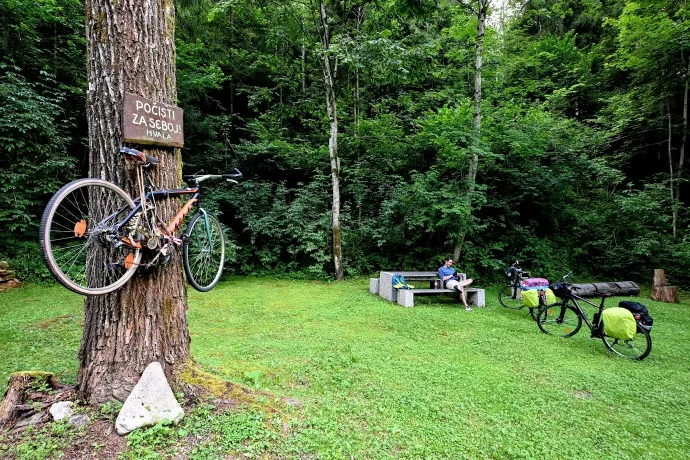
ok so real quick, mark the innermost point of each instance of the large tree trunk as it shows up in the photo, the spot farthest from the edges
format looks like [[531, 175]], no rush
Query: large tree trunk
[[131, 48], [329, 69], [477, 115]]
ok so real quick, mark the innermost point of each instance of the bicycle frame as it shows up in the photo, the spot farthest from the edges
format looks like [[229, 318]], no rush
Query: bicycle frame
[[175, 221], [574, 298], [515, 281]]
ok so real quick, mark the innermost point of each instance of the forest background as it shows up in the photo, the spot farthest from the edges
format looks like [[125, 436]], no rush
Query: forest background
[[580, 155]]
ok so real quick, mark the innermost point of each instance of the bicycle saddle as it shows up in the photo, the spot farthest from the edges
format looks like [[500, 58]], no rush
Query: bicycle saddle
[[134, 154]]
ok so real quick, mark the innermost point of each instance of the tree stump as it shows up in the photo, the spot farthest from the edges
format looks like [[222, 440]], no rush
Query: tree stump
[[661, 291], [28, 394], [668, 294], [659, 278]]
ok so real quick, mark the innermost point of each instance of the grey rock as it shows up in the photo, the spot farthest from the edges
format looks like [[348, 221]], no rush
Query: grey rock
[[150, 402], [79, 420], [33, 420], [60, 410]]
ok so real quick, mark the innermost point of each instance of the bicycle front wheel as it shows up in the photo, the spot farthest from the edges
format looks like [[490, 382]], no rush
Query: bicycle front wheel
[[559, 319], [79, 246], [510, 297], [203, 252], [637, 348]]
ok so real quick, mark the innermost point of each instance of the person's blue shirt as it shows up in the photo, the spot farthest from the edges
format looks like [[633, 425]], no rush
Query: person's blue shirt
[[443, 272]]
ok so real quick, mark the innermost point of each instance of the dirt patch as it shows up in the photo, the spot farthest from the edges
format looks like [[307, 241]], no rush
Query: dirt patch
[[47, 324], [99, 440], [582, 394]]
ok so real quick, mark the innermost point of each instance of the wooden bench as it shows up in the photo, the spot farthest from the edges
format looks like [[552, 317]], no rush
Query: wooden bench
[[383, 286]]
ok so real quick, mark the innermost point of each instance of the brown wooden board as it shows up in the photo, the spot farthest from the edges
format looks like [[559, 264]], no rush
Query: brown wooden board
[[149, 122]]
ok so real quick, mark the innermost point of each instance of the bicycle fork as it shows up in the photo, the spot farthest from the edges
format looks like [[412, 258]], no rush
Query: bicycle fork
[[209, 247]]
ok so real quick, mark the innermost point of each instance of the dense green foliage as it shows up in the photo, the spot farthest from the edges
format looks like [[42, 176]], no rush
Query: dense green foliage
[[580, 154], [353, 375]]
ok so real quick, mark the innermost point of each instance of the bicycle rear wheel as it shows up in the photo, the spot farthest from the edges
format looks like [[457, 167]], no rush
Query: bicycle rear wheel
[[77, 240], [509, 297], [637, 348], [559, 319], [203, 252]]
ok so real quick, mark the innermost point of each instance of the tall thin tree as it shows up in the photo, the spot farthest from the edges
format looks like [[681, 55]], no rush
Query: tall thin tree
[[131, 48], [482, 6], [329, 65]]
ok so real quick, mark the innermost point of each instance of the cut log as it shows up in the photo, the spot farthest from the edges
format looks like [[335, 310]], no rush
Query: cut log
[[20, 383], [619, 288], [659, 278], [667, 294]]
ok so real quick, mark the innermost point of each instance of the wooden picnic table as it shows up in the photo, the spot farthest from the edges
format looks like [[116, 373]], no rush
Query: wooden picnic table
[[383, 286]]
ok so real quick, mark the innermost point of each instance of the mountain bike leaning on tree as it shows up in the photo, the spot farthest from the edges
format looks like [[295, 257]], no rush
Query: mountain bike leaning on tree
[[94, 236], [564, 318]]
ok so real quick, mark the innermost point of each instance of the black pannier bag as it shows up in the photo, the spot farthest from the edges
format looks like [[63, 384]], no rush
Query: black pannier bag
[[636, 308], [559, 289]]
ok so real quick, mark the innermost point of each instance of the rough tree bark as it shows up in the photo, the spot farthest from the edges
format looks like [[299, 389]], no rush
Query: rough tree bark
[[329, 65], [482, 6], [131, 48]]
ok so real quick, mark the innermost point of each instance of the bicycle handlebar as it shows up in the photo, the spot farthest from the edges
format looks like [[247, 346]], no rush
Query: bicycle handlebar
[[201, 177], [236, 175]]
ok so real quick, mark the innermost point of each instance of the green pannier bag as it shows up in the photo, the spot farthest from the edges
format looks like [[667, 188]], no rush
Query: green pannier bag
[[530, 298], [550, 297], [619, 323]]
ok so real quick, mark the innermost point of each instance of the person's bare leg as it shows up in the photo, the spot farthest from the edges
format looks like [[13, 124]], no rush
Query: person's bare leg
[[463, 296]]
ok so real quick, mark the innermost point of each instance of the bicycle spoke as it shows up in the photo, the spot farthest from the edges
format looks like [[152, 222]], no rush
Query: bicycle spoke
[[75, 259], [204, 252]]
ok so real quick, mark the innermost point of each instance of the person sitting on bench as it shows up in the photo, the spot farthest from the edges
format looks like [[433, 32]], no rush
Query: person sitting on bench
[[451, 280]]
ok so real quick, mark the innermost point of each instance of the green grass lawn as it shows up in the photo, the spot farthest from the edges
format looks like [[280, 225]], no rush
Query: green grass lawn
[[377, 380]]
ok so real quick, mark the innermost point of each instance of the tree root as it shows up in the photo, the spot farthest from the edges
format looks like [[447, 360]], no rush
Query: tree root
[[28, 398]]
